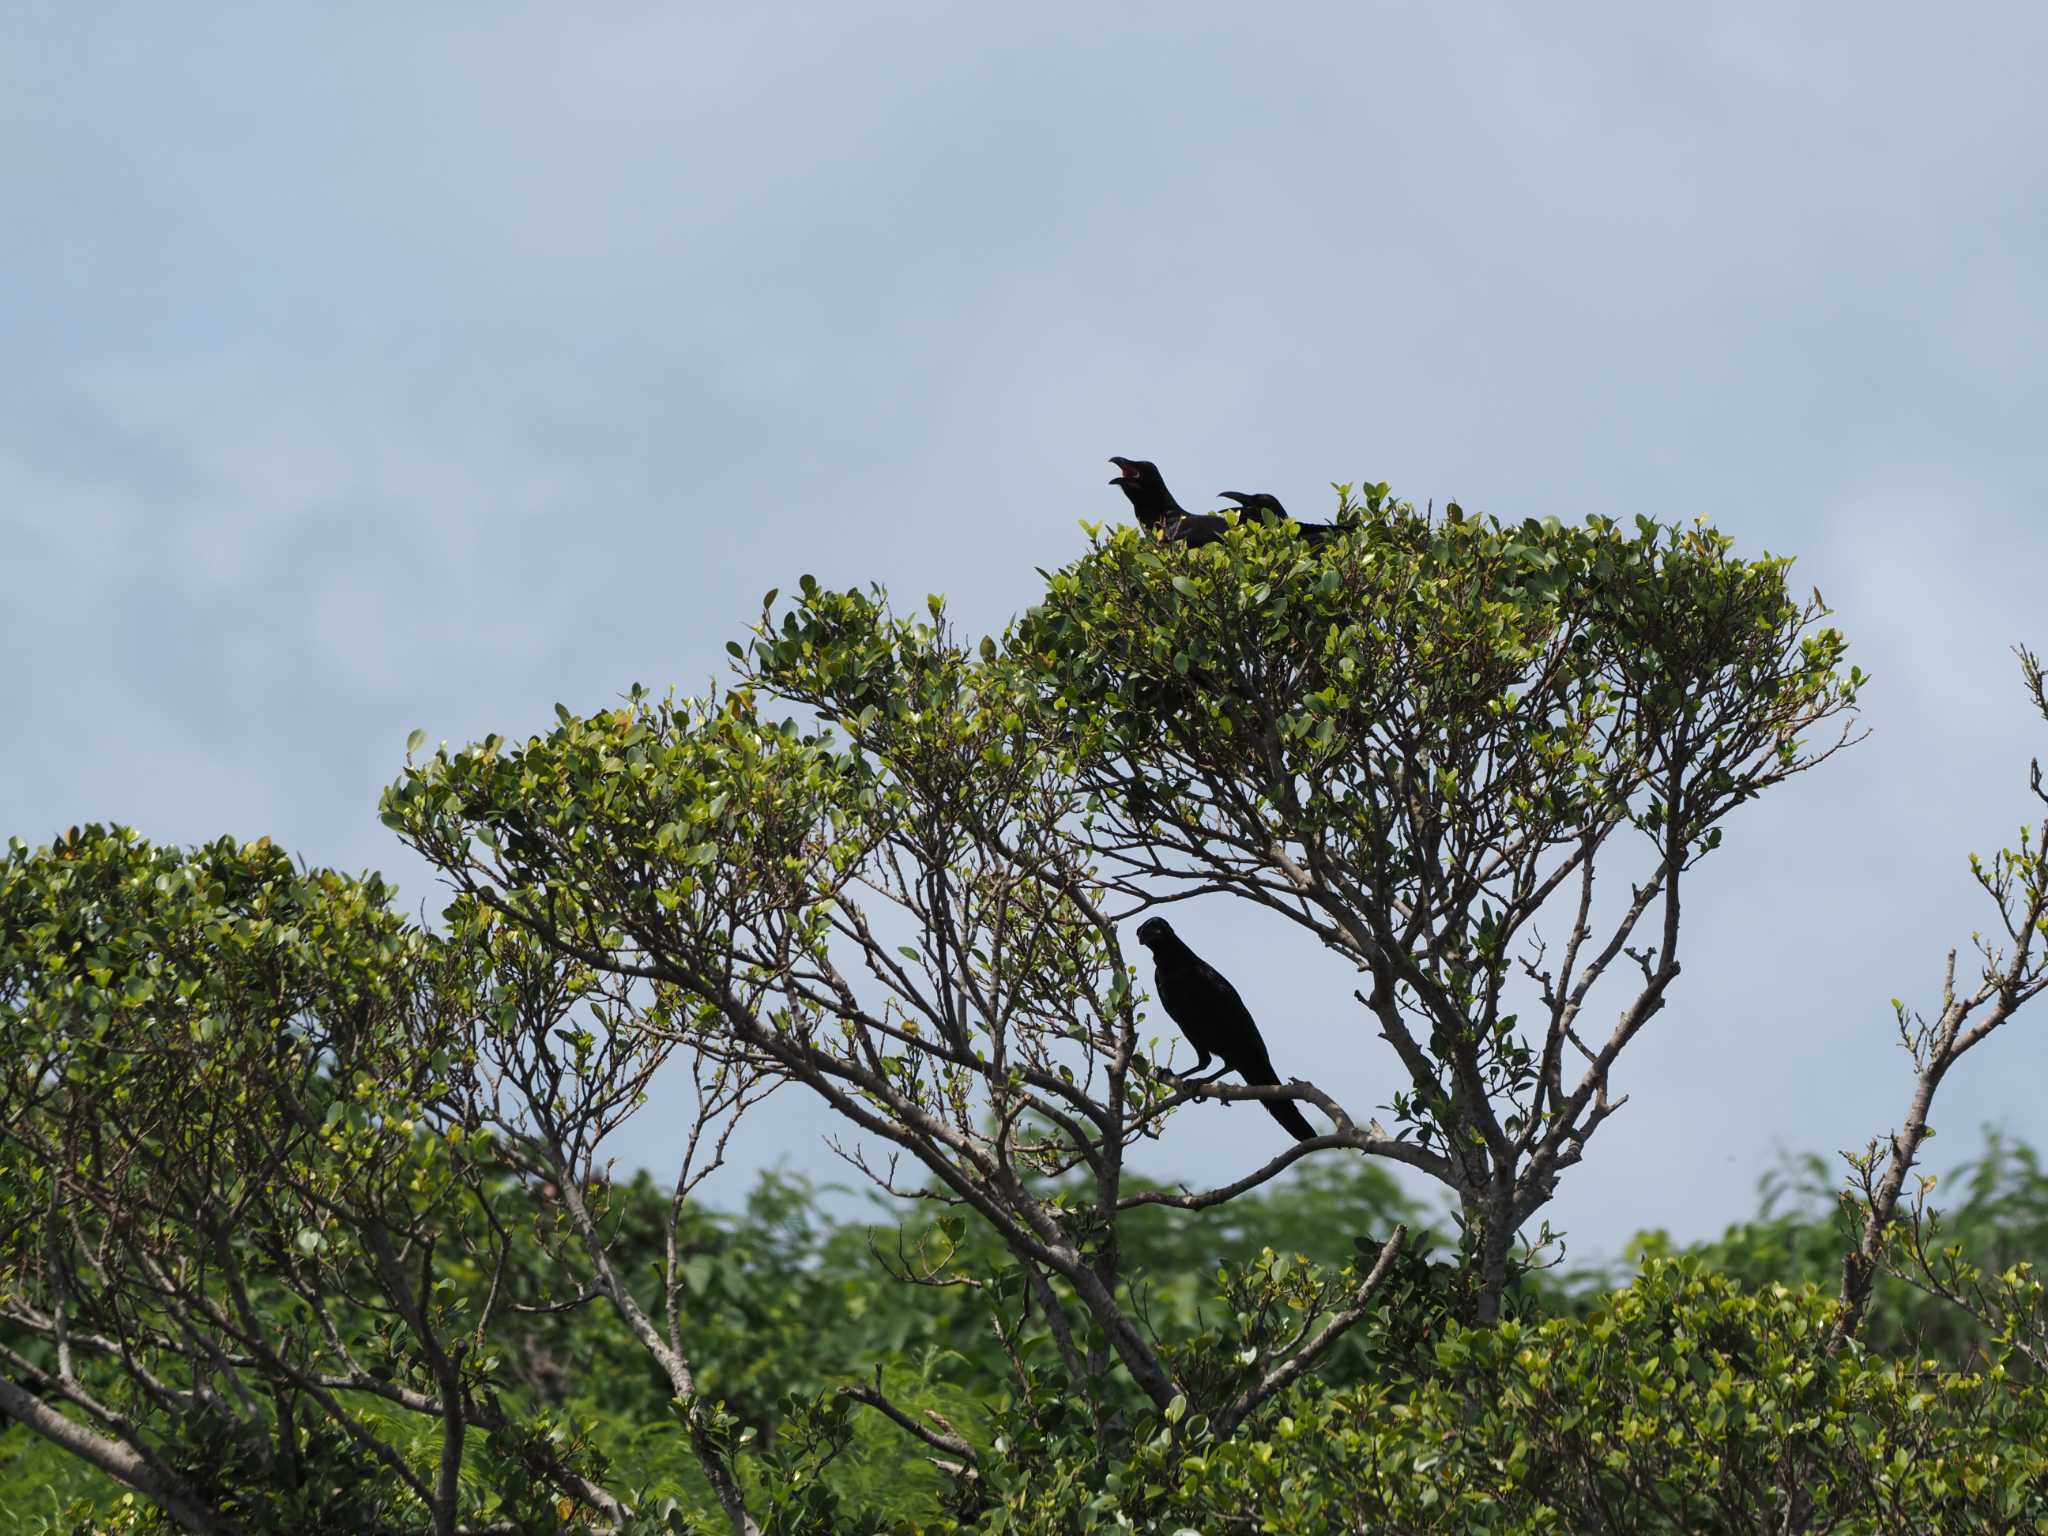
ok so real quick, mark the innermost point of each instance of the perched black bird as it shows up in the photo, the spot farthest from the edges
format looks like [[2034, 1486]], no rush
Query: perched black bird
[[1256, 503], [1141, 482], [1157, 511], [1214, 1019], [1253, 503], [1195, 529]]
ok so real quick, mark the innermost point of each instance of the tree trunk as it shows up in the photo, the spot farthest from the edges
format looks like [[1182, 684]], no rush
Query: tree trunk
[[1492, 1223]]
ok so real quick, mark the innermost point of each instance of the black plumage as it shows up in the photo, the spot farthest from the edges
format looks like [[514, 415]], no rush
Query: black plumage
[[1255, 504], [1157, 512], [1145, 488], [1208, 1010], [1195, 529]]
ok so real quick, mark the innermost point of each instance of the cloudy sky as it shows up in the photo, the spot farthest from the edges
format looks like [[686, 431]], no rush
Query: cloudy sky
[[382, 366]]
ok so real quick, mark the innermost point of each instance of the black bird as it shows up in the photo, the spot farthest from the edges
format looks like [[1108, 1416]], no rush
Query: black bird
[[1215, 1019], [1141, 482], [1157, 511], [1195, 529], [1256, 503]]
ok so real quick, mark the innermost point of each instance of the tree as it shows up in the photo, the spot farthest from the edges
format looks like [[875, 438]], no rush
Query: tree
[[270, 1151], [890, 869], [1413, 742], [264, 1290], [1419, 743], [2012, 973]]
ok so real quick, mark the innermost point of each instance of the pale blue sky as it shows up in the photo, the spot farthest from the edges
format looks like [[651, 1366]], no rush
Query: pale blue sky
[[381, 366]]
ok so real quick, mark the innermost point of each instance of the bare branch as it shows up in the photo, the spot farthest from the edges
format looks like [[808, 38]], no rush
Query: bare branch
[[1296, 1365], [937, 1439], [119, 1459]]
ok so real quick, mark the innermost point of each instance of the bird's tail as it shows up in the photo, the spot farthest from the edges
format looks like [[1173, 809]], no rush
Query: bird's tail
[[1286, 1111], [1291, 1119]]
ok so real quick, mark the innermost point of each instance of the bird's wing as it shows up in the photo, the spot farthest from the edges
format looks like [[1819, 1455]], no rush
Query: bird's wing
[[1229, 1007]]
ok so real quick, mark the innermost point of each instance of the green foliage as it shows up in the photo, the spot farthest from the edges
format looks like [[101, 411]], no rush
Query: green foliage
[[675, 824], [795, 1305], [1667, 1408], [1995, 1215], [39, 1482], [1538, 674], [226, 1171]]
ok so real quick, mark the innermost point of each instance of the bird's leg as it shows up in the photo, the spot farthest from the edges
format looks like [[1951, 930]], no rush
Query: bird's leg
[[1202, 1059], [1197, 1082]]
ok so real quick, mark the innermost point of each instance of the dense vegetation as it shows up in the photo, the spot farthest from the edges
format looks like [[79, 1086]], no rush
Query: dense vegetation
[[306, 1218], [790, 1304]]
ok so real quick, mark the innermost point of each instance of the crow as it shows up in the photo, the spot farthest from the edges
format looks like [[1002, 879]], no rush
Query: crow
[[1157, 511], [1255, 504], [1215, 1019], [1195, 529], [1141, 482]]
